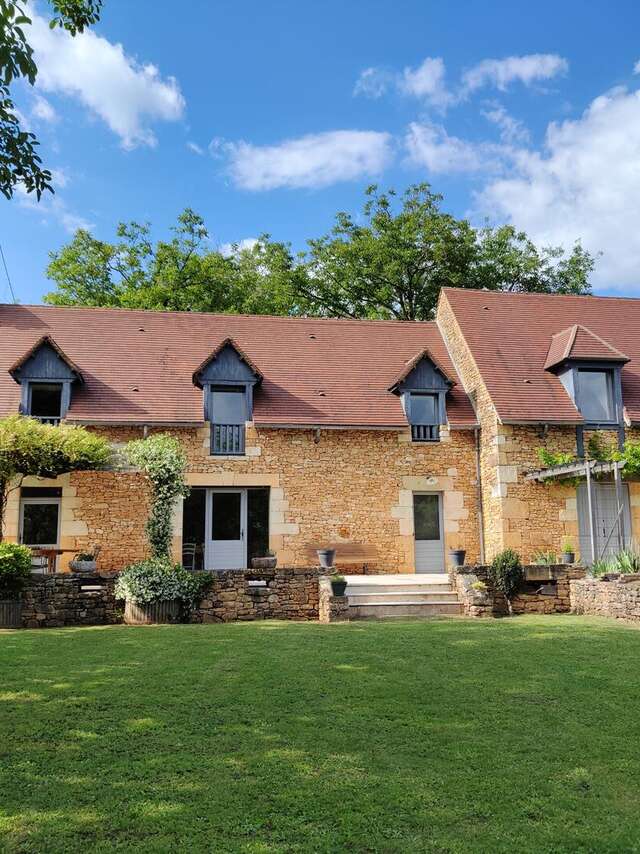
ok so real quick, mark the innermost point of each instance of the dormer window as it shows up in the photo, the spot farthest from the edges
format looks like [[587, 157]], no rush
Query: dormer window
[[46, 376], [423, 415], [45, 402], [595, 395], [590, 370], [423, 386], [227, 378]]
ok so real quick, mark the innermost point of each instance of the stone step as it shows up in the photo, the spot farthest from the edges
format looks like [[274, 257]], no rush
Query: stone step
[[400, 579], [393, 610], [398, 597], [391, 589]]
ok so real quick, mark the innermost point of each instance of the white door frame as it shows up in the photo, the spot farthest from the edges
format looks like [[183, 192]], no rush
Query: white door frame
[[40, 563], [209, 543], [440, 497]]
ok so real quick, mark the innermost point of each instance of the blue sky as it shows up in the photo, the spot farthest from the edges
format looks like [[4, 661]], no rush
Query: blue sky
[[270, 117]]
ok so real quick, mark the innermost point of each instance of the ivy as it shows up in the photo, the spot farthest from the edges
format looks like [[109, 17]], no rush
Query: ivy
[[163, 461], [158, 580]]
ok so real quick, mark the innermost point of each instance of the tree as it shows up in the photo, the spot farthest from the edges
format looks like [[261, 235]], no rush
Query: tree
[[182, 274], [391, 264], [395, 263], [19, 160], [29, 448]]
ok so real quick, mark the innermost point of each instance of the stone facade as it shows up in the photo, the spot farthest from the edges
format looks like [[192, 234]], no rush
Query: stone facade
[[526, 516], [619, 598], [343, 486]]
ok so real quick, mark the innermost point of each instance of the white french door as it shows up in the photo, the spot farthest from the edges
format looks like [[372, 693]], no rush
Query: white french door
[[226, 529]]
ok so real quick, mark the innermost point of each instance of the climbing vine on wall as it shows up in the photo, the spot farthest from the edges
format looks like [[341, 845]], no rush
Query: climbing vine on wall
[[163, 461]]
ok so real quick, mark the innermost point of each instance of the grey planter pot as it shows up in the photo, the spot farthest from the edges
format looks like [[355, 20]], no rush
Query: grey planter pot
[[168, 611], [568, 557], [85, 566], [326, 557], [10, 614], [264, 562], [457, 556]]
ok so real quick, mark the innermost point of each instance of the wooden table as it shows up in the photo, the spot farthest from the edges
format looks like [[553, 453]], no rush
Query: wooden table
[[51, 554]]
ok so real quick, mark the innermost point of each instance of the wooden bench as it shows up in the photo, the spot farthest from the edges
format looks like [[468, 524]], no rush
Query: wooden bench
[[353, 555]]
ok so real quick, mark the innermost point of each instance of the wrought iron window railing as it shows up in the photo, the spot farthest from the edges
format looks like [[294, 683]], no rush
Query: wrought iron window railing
[[425, 432], [47, 419], [227, 439]]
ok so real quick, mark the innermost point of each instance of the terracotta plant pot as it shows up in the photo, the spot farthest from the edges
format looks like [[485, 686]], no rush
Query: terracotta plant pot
[[10, 614], [326, 557], [264, 562], [457, 556], [338, 587]]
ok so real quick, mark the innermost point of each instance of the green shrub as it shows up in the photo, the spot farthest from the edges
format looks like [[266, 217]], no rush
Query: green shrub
[[15, 569], [567, 546], [545, 558], [626, 562], [157, 580], [600, 567], [506, 573]]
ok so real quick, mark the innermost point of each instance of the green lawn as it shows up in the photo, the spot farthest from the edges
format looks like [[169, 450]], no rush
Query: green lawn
[[445, 736]]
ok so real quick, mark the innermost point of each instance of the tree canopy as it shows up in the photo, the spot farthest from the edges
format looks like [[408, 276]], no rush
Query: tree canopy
[[19, 161], [390, 262]]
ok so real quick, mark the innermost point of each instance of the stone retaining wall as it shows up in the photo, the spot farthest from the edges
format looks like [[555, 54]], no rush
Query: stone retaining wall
[[283, 594], [619, 598], [332, 609], [69, 599], [547, 591]]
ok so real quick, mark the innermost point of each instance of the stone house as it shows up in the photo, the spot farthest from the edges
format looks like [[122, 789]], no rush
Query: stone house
[[391, 441]]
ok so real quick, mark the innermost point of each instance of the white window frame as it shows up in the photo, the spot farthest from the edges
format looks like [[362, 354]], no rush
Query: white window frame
[[44, 500]]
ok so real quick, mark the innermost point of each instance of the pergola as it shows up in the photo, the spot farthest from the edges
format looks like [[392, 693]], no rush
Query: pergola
[[589, 469]]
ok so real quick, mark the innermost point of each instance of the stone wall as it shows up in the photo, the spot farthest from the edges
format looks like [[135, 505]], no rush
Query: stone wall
[[546, 591], [351, 487], [619, 598], [69, 599], [282, 594]]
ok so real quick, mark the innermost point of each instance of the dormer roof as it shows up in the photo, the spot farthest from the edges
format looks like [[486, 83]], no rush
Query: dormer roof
[[227, 344], [413, 364], [46, 341], [577, 343]]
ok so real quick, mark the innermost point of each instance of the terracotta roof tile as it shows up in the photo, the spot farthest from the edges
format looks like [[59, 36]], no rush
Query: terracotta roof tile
[[510, 338], [138, 366]]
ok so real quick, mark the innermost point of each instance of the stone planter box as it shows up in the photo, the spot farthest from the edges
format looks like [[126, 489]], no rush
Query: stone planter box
[[155, 612], [10, 614], [264, 562]]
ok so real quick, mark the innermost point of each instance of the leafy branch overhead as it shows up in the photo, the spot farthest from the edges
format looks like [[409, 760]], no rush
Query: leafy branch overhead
[[389, 263], [20, 163]]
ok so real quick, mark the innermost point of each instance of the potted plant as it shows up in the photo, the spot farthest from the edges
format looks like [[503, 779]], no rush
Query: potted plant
[[269, 561], [568, 553], [157, 591], [326, 557], [457, 556], [338, 585], [85, 561], [15, 572]]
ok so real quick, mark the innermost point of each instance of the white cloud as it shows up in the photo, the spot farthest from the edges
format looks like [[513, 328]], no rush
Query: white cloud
[[126, 95], [373, 82], [314, 160], [512, 130], [636, 67], [427, 82], [431, 146], [193, 146], [584, 184], [53, 207], [524, 69], [42, 109], [228, 249]]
